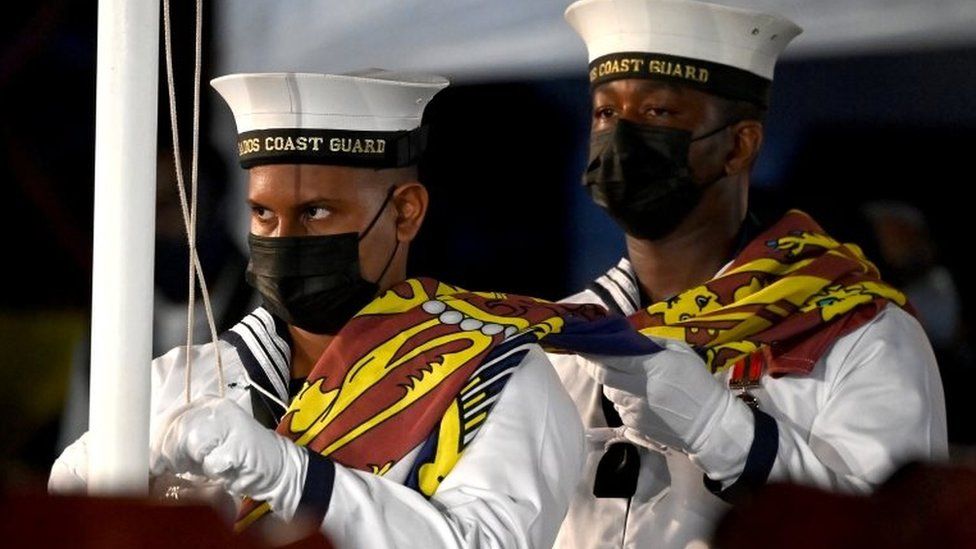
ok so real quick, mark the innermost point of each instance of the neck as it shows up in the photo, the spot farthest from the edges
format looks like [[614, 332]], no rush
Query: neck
[[306, 348], [692, 254]]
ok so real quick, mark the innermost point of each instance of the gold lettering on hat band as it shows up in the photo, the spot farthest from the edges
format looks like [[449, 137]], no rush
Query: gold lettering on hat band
[[278, 143], [638, 67], [248, 146], [358, 148], [287, 143], [716, 78]]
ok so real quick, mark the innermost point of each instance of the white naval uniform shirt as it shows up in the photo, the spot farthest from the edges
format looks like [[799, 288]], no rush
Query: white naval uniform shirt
[[872, 402], [510, 488]]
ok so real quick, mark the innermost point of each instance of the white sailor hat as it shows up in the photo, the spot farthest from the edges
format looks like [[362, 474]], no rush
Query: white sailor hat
[[719, 49], [367, 119]]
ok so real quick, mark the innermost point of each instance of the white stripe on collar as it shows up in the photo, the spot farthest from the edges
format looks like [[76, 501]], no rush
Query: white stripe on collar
[[620, 284], [269, 349]]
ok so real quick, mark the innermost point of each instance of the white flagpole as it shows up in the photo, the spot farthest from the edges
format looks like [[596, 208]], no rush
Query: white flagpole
[[122, 288]]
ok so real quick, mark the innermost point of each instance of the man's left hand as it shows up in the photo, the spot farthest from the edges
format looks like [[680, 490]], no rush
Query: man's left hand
[[669, 397]]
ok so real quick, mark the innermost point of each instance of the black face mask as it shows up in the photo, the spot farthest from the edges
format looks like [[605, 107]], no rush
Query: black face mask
[[313, 282], [641, 176]]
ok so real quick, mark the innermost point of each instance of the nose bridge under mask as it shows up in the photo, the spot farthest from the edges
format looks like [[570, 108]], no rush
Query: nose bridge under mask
[[641, 176], [314, 282], [291, 256], [638, 152], [630, 137]]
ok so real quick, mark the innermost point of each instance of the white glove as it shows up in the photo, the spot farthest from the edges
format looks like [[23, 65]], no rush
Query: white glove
[[215, 438], [670, 397], [69, 475]]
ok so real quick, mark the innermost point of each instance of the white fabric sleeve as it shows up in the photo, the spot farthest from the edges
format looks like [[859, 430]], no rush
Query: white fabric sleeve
[[168, 386], [511, 487], [886, 407], [69, 474], [169, 377], [881, 405]]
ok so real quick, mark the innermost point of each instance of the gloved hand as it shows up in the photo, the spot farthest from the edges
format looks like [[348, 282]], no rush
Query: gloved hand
[[215, 438], [69, 475], [669, 397]]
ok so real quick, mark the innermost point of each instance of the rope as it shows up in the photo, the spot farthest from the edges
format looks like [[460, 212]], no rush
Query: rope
[[189, 208]]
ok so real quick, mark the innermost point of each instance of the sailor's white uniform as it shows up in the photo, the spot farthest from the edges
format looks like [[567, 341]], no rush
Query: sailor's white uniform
[[510, 488], [518, 467], [872, 402]]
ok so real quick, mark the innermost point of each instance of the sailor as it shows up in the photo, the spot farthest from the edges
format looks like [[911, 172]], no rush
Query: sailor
[[788, 358], [420, 415]]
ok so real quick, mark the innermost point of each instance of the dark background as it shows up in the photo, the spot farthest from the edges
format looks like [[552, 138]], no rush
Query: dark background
[[508, 210]]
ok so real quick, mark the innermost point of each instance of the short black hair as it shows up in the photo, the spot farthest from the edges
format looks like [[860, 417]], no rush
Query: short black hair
[[736, 110]]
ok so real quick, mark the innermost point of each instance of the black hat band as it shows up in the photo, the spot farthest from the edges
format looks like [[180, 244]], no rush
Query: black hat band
[[363, 149], [716, 78]]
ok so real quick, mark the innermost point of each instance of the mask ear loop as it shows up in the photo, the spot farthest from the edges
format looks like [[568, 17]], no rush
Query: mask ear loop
[[717, 130], [389, 196], [396, 247], [388, 262], [710, 134]]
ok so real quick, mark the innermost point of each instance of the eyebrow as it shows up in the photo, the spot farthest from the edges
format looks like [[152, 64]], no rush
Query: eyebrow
[[322, 201]]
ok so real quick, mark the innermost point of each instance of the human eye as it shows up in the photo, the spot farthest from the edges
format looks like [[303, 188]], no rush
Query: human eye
[[604, 112], [261, 213], [317, 213], [657, 112]]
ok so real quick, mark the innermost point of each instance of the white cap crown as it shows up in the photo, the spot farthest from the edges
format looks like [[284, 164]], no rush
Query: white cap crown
[[709, 43], [299, 113]]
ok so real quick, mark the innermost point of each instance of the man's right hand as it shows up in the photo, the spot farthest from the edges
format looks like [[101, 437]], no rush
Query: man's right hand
[[69, 475]]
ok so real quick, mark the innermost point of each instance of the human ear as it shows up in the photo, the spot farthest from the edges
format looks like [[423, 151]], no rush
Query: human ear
[[747, 138], [410, 200]]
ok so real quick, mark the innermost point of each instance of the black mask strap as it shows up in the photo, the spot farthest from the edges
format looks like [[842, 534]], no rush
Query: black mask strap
[[389, 196], [396, 247], [716, 130], [388, 262]]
